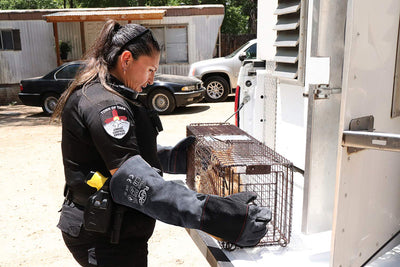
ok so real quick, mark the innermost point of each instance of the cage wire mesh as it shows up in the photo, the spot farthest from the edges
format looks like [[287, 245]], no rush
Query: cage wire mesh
[[225, 160]]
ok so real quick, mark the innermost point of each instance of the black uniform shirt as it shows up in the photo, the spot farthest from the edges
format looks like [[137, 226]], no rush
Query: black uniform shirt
[[100, 130]]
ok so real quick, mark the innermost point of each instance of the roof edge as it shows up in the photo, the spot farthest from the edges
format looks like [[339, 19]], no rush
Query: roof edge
[[171, 11]]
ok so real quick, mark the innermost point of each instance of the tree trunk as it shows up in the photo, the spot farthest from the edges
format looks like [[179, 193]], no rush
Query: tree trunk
[[253, 17]]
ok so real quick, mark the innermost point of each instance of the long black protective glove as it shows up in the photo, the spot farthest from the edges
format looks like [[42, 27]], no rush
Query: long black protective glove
[[173, 159], [137, 185]]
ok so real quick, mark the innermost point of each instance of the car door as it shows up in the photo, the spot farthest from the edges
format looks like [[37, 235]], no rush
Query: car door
[[251, 53]]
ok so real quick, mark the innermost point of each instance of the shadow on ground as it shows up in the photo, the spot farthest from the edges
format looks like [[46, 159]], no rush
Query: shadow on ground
[[197, 108], [20, 115], [194, 108]]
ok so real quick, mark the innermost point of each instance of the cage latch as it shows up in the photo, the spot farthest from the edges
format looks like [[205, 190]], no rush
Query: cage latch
[[323, 91]]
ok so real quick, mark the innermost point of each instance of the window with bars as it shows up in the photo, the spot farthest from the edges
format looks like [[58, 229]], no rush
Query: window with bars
[[10, 40], [173, 41], [290, 40]]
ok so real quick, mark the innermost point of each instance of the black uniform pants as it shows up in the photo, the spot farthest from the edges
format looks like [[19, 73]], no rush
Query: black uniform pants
[[91, 249]]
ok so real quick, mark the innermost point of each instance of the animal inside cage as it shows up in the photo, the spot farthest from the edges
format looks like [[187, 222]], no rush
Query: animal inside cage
[[225, 160]]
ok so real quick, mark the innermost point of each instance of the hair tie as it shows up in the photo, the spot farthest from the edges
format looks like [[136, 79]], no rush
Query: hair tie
[[117, 26]]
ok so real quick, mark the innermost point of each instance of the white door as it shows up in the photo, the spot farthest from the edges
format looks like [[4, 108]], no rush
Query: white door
[[367, 196]]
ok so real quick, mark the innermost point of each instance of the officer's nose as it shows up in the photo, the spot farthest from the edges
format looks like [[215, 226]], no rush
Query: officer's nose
[[150, 81]]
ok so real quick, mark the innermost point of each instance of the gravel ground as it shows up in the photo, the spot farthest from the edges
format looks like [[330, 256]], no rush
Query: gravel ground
[[32, 184]]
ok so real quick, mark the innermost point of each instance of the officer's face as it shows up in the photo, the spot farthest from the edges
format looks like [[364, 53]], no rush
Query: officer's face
[[141, 72]]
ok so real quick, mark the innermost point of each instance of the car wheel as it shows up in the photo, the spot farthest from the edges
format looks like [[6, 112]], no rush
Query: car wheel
[[217, 89], [49, 103], [162, 101]]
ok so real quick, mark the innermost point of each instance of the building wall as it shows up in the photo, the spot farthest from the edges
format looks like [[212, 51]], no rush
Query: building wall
[[9, 94], [202, 33], [70, 32], [202, 37], [37, 55]]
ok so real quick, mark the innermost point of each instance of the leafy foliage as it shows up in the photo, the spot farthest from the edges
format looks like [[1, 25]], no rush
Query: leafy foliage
[[29, 4], [103, 3], [234, 21]]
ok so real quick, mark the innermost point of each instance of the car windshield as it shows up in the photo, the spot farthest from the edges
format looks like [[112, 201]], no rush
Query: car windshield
[[236, 51]]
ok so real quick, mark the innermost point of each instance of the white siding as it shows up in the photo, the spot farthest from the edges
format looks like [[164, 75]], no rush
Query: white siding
[[176, 69], [92, 31], [71, 32], [202, 37], [37, 56], [202, 33]]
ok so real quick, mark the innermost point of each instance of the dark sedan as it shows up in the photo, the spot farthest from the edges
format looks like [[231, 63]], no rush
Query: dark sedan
[[164, 95]]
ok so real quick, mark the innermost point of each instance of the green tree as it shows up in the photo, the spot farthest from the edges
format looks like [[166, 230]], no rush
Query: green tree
[[234, 21], [249, 8], [103, 3], [29, 4]]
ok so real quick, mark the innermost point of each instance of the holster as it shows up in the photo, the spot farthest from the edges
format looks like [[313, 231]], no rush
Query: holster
[[101, 214], [98, 211]]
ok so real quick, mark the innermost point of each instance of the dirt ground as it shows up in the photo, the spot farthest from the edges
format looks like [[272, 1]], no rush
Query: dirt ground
[[31, 186]]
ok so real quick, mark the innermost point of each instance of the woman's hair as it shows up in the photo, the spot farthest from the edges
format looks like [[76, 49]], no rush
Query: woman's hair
[[103, 55]]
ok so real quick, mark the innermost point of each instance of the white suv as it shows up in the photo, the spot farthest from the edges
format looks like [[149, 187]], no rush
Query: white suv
[[220, 75]]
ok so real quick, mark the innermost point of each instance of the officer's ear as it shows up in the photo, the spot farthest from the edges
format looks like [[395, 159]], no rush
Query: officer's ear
[[125, 57]]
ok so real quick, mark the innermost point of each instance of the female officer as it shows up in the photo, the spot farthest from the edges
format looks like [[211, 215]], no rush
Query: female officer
[[105, 129]]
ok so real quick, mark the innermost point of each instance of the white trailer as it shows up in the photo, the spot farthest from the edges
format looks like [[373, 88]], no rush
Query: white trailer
[[325, 93], [329, 86]]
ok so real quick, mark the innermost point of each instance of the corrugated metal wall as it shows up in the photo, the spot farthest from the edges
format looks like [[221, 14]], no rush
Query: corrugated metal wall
[[202, 33], [176, 69], [92, 30], [70, 32], [37, 56], [202, 37]]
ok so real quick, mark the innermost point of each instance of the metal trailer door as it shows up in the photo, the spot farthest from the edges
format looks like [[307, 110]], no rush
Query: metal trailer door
[[367, 196]]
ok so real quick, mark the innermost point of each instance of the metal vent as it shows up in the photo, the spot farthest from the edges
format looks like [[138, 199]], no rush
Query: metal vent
[[289, 44]]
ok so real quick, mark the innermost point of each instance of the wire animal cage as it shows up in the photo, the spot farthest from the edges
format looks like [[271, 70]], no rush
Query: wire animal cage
[[225, 160]]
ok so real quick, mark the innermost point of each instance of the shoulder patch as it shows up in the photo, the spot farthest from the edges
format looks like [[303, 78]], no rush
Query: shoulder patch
[[115, 121]]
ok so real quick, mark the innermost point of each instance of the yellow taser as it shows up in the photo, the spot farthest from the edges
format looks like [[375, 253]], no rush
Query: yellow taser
[[97, 180]]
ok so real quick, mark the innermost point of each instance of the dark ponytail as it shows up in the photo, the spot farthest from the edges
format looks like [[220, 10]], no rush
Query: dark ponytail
[[104, 53]]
